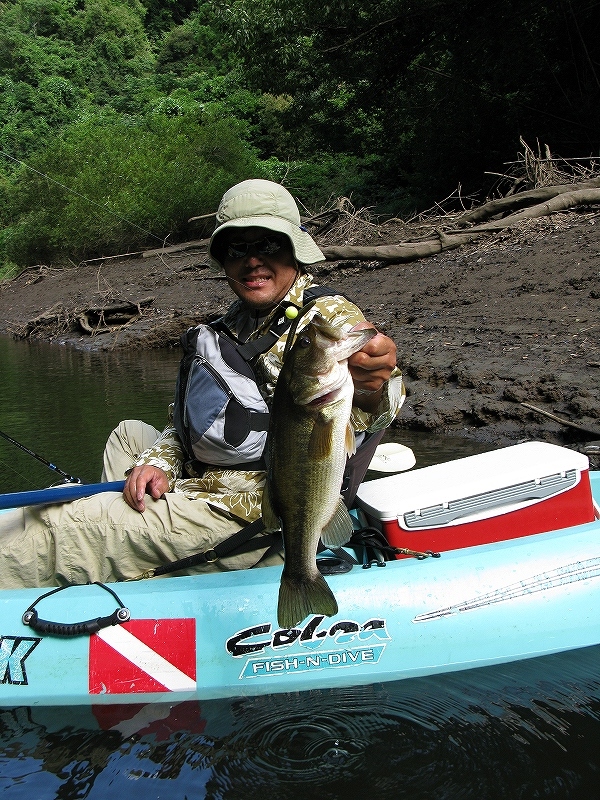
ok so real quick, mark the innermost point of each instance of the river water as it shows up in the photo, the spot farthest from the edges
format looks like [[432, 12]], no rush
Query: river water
[[527, 730]]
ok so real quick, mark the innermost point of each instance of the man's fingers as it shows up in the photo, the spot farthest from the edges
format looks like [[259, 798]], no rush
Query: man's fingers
[[144, 480]]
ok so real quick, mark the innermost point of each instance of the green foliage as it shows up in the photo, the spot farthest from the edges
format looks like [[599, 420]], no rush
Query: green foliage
[[319, 181], [62, 57], [114, 182], [163, 14], [195, 46], [438, 91], [395, 103]]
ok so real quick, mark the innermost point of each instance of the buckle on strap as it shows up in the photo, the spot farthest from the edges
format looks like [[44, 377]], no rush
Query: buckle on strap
[[211, 556]]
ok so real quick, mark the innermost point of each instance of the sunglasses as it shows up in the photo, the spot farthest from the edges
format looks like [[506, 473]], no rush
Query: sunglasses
[[267, 246]]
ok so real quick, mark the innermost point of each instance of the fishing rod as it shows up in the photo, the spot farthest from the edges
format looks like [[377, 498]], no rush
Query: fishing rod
[[57, 494], [67, 478]]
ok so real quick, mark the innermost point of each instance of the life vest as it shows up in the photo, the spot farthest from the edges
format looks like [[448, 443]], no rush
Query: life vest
[[219, 413]]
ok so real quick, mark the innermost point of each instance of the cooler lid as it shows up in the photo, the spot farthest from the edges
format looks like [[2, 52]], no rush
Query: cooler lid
[[522, 472]]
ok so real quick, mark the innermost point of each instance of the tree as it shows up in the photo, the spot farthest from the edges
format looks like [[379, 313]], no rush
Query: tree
[[61, 57], [112, 182], [434, 91]]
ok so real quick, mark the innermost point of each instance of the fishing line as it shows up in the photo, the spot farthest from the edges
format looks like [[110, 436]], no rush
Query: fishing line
[[294, 327], [68, 478], [83, 197], [16, 472]]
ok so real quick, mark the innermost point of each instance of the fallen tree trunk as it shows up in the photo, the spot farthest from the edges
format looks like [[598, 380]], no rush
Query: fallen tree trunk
[[515, 201], [396, 253], [560, 202]]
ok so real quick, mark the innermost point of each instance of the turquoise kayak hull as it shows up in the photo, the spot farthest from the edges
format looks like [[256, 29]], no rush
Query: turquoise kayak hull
[[216, 635]]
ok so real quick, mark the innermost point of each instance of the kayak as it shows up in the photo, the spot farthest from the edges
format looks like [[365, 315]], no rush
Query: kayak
[[497, 560]]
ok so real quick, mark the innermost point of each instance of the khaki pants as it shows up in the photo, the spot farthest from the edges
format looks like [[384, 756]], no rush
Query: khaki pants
[[100, 538]]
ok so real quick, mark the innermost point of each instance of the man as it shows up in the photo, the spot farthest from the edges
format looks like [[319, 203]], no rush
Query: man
[[171, 506]]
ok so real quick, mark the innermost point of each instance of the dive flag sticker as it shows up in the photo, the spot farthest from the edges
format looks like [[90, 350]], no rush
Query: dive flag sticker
[[144, 655]]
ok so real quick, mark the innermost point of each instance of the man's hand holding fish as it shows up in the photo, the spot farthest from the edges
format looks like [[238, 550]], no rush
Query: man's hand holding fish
[[371, 368]]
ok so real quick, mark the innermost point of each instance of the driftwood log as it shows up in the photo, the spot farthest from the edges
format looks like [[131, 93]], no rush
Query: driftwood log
[[107, 317], [534, 197], [555, 199], [561, 202], [405, 251]]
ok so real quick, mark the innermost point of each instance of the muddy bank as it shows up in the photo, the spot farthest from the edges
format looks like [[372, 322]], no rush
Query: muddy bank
[[480, 330]]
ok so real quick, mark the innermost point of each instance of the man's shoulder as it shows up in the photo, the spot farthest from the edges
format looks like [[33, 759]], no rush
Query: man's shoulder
[[333, 304], [325, 294]]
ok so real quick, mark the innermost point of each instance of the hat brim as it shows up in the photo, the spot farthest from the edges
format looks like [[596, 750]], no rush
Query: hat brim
[[305, 248]]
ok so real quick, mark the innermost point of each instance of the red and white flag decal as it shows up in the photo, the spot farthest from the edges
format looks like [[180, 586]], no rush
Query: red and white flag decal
[[159, 719], [144, 655]]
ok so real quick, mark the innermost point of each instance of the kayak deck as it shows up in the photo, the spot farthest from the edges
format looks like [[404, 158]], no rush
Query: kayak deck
[[216, 636]]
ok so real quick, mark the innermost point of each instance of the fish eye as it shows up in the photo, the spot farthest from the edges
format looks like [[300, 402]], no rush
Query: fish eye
[[304, 341]]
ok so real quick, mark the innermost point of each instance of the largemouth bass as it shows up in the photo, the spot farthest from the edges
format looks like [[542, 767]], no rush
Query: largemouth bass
[[308, 441]]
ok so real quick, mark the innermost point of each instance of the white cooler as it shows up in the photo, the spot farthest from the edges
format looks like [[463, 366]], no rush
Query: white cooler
[[515, 491]]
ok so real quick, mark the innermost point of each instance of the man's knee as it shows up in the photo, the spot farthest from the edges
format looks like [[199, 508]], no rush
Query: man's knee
[[126, 442]]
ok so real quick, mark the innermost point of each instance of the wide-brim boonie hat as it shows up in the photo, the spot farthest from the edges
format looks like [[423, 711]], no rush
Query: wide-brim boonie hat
[[264, 204]]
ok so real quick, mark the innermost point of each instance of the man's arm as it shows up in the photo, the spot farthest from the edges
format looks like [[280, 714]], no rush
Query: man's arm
[[156, 469]]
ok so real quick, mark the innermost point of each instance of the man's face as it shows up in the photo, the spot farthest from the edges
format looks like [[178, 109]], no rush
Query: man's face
[[259, 265]]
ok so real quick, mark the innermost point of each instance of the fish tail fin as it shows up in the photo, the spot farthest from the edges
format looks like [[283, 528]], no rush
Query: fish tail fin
[[299, 598]]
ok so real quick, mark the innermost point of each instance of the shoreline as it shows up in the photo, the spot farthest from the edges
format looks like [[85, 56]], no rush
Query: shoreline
[[479, 330]]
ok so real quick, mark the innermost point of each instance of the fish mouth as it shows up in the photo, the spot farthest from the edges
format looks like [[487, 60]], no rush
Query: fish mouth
[[323, 399], [324, 394]]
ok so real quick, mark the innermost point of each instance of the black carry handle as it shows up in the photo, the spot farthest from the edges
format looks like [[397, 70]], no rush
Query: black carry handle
[[85, 628]]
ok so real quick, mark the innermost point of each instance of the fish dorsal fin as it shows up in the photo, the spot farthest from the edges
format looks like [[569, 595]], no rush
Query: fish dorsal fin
[[339, 528], [270, 518]]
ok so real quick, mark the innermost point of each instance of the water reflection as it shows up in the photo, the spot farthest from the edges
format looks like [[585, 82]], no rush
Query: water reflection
[[62, 404], [521, 731]]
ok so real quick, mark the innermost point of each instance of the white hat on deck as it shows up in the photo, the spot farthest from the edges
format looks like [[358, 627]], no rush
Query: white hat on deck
[[264, 204]]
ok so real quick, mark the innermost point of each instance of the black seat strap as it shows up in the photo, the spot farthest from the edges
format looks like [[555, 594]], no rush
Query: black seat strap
[[240, 542]]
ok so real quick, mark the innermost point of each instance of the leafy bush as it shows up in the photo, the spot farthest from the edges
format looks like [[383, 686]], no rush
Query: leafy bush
[[114, 182]]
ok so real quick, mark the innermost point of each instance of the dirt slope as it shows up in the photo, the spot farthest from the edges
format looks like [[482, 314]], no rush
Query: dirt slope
[[480, 329]]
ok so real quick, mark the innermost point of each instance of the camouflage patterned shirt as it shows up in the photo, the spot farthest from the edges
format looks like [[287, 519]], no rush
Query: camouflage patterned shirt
[[238, 493]]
